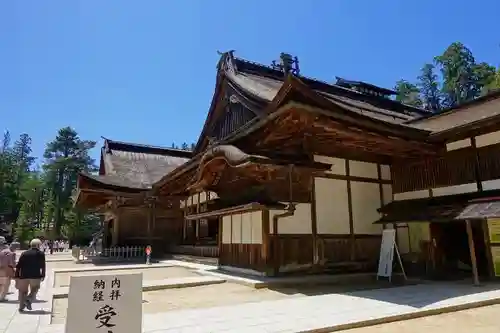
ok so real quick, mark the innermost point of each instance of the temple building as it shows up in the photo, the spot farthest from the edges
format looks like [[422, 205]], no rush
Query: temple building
[[292, 174], [120, 193]]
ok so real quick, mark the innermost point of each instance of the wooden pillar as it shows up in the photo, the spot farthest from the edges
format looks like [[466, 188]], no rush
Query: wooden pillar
[[115, 232], [265, 238], [197, 225], [186, 223], [472, 252], [150, 222], [314, 223], [487, 244], [352, 236]]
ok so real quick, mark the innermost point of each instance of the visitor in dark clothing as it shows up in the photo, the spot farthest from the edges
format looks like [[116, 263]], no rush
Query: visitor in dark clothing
[[30, 272]]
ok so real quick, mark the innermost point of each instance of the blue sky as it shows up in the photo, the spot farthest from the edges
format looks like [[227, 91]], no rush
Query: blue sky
[[144, 71]]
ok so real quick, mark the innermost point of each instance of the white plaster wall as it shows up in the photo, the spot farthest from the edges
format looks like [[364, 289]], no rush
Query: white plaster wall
[[246, 228], [256, 218], [226, 229], [385, 172], [365, 202], [299, 223], [458, 144], [338, 164], [493, 184], [236, 228], [193, 199], [242, 228], [411, 195], [456, 189], [332, 207], [387, 193], [488, 139], [363, 169]]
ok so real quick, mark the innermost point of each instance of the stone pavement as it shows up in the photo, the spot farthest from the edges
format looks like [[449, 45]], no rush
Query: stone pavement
[[315, 313], [11, 321], [302, 314]]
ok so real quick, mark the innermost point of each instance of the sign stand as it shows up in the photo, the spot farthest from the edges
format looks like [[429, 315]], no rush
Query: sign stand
[[387, 249]]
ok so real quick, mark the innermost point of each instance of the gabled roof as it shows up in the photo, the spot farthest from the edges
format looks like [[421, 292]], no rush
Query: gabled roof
[[261, 84], [461, 117], [137, 166], [293, 89]]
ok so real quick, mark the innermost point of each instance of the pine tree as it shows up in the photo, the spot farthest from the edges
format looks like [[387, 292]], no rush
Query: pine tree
[[463, 78], [66, 156], [407, 93], [429, 88]]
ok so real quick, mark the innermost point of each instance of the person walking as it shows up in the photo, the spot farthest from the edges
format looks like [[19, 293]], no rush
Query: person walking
[[7, 267], [30, 272]]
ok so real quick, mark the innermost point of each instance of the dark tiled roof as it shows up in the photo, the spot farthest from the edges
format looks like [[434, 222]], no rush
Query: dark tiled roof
[[138, 166], [267, 77]]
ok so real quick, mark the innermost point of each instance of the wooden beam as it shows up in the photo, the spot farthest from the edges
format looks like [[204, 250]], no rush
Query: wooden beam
[[380, 188], [351, 216], [352, 178], [472, 251]]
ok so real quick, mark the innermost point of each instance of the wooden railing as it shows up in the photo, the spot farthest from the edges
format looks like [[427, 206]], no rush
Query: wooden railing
[[211, 251], [111, 253], [455, 168]]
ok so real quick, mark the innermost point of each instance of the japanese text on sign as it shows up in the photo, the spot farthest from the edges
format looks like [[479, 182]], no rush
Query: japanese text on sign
[[105, 304]]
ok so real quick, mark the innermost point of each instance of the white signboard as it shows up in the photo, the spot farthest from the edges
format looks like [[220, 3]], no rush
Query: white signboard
[[105, 304], [386, 253]]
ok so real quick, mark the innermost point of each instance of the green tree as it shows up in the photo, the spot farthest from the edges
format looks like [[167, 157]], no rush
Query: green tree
[[24, 230], [30, 214], [407, 93], [494, 84], [80, 226], [463, 78], [428, 85], [7, 177], [65, 157]]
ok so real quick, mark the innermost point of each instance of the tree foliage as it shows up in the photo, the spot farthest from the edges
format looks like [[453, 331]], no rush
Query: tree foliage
[[183, 146], [39, 202], [461, 79], [408, 93]]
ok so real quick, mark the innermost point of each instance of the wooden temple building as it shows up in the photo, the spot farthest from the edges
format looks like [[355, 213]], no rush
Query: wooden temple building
[[120, 192], [292, 174]]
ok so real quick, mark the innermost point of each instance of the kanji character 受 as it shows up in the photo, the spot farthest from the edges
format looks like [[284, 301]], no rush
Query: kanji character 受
[[104, 315]]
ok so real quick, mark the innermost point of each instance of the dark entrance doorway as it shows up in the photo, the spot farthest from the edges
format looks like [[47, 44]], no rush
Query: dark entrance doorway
[[451, 253]]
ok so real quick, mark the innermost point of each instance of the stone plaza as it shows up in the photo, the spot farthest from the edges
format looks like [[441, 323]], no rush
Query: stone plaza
[[187, 297]]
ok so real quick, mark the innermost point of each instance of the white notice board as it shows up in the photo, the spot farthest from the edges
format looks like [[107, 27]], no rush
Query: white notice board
[[105, 304], [386, 253]]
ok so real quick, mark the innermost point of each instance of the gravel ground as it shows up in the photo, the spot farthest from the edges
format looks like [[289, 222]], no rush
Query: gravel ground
[[190, 298], [480, 320], [153, 273]]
